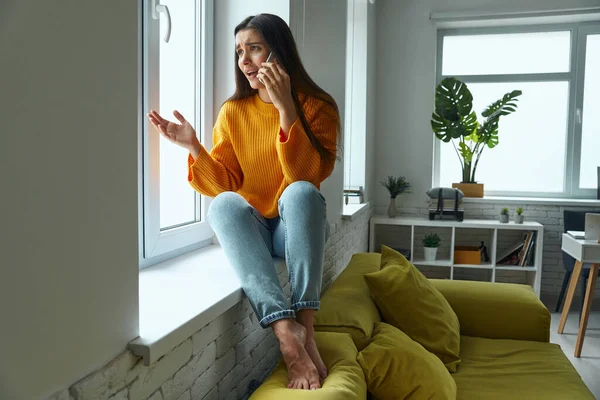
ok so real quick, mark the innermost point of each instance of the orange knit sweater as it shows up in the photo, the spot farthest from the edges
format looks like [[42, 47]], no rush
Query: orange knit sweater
[[249, 158]]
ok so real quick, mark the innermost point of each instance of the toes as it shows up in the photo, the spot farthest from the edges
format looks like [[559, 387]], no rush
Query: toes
[[314, 382]]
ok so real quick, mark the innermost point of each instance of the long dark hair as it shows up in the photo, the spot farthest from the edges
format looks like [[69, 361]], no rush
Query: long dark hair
[[278, 36]]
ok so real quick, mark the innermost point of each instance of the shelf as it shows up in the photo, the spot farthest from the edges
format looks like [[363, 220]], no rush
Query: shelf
[[497, 236], [436, 263], [467, 223], [474, 266], [515, 268]]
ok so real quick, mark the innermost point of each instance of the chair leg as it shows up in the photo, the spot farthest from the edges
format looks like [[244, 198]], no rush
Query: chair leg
[[583, 282], [561, 296]]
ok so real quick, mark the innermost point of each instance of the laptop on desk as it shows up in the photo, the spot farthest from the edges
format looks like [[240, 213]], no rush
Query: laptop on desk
[[592, 226]]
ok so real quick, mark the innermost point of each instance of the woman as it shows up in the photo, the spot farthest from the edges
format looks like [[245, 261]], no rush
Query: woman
[[274, 143]]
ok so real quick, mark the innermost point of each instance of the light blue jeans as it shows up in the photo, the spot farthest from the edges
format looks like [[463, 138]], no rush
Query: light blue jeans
[[250, 241]]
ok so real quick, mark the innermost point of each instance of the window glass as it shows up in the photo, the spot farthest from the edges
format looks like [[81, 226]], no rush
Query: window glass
[[514, 53], [177, 91], [590, 134]]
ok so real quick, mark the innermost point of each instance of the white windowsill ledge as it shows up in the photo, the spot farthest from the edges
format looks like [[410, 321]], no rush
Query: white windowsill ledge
[[350, 211], [534, 200], [179, 297]]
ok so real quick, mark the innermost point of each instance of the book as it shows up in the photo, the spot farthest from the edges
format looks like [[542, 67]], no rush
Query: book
[[510, 251], [528, 256], [519, 253]]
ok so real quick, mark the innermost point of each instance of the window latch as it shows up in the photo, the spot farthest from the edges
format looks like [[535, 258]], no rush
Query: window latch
[[578, 116], [161, 8]]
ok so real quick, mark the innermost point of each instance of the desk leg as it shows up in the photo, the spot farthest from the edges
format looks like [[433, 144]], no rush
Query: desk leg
[[587, 306], [570, 293]]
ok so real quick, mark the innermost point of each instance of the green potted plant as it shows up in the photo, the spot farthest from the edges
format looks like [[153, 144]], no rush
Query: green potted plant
[[504, 215], [454, 121], [519, 217], [431, 242], [396, 186]]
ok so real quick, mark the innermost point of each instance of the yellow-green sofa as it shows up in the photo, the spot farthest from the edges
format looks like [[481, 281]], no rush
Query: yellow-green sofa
[[504, 348]]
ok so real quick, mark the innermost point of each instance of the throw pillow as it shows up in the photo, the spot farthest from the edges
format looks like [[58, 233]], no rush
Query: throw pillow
[[396, 367], [408, 301]]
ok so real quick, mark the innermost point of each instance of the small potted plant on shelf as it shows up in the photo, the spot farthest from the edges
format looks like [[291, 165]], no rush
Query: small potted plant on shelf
[[431, 242], [519, 217], [396, 186], [504, 215]]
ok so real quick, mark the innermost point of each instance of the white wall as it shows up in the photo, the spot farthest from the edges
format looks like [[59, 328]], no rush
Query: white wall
[[406, 49], [68, 101], [69, 110], [320, 31]]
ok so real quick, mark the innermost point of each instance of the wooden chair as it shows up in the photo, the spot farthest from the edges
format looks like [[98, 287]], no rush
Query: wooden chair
[[573, 221]]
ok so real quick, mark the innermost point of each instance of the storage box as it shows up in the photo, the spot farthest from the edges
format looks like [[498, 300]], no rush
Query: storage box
[[467, 255]]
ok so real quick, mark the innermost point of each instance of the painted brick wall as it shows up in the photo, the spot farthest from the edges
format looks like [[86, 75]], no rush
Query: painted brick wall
[[215, 363], [551, 216]]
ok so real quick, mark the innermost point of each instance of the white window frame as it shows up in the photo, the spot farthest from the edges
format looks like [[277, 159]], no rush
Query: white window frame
[[355, 123], [157, 245], [575, 77]]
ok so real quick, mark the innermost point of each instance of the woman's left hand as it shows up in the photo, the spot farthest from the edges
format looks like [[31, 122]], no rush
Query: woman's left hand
[[277, 83]]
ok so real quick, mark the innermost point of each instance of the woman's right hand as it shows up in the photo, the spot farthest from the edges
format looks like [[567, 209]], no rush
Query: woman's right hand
[[182, 134]]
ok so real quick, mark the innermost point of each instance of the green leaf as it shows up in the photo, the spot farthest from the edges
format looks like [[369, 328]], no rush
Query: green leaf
[[509, 99], [453, 100], [453, 117], [489, 132], [465, 152]]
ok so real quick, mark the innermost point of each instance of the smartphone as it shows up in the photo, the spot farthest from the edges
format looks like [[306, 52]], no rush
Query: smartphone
[[268, 60]]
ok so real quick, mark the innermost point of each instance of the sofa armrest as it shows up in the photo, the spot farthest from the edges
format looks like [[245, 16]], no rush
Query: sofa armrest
[[497, 310]]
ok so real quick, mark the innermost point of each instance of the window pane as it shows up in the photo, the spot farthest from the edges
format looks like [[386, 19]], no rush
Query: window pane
[[177, 92], [530, 156], [590, 135], [515, 53]]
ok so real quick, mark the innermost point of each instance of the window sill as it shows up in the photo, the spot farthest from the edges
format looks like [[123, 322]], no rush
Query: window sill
[[180, 296], [351, 211], [534, 200]]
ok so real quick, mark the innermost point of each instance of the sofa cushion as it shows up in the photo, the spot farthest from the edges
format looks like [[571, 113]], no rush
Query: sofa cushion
[[346, 306], [397, 367], [497, 310], [345, 380], [495, 369], [408, 301]]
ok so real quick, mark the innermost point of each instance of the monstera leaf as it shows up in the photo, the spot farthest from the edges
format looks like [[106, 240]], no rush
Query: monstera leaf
[[506, 105], [466, 152], [452, 117], [488, 133], [453, 100]]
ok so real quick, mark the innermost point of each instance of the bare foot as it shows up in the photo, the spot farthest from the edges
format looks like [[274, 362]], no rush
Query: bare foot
[[301, 370], [306, 318], [313, 353]]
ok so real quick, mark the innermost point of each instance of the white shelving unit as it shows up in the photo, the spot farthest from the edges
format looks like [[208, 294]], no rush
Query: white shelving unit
[[534, 276]]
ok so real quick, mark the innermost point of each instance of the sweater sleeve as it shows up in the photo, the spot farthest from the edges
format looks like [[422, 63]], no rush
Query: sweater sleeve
[[300, 161], [217, 171]]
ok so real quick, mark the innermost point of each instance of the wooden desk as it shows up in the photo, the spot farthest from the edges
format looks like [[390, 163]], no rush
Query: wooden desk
[[583, 251]]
